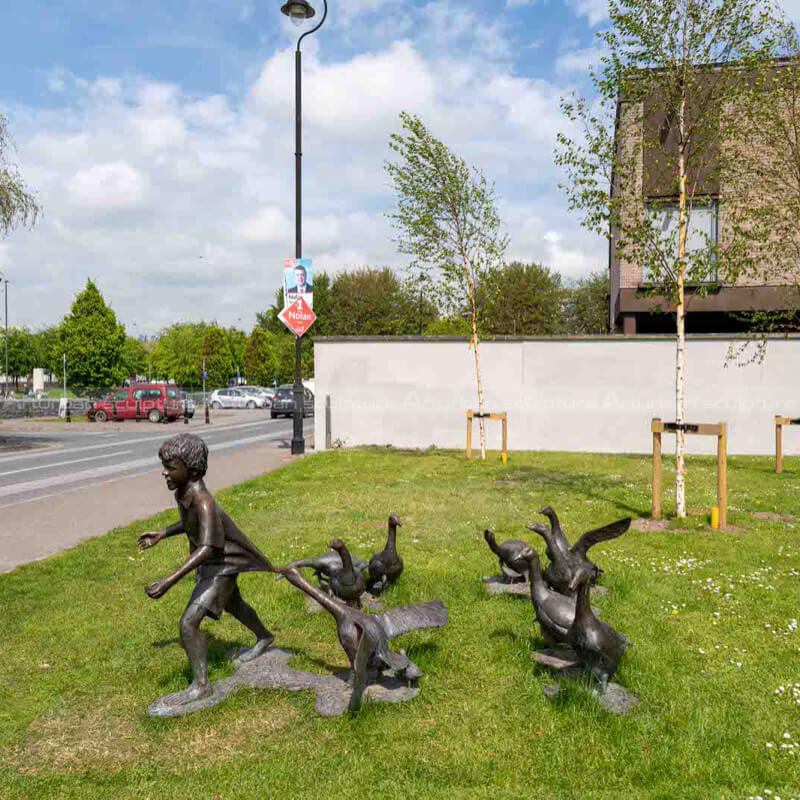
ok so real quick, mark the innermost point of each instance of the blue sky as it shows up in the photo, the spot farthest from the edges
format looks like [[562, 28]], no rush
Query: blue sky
[[158, 137]]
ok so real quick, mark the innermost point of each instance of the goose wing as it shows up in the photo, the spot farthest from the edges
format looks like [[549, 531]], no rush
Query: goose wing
[[591, 538], [404, 619]]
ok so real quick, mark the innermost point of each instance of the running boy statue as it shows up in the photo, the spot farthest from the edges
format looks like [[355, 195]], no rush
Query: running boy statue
[[218, 552]]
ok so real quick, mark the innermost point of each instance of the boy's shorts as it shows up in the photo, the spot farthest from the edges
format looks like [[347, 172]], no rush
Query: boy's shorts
[[215, 594]]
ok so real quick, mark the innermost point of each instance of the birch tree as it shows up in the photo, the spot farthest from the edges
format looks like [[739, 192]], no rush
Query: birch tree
[[656, 132], [448, 223]]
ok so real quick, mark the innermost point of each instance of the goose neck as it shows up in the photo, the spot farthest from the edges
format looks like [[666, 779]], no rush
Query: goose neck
[[347, 561], [391, 539], [583, 609]]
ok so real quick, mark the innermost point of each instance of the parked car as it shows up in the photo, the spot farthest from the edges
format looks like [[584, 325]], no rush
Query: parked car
[[283, 402], [237, 397], [156, 401], [188, 404], [262, 391]]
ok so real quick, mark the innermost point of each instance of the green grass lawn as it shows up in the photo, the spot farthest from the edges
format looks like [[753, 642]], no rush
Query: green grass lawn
[[709, 614]]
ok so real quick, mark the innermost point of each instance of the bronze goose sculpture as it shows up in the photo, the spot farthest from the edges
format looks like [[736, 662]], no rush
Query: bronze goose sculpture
[[387, 566], [365, 637], [598, 646], [325, 566], [347, 584], [510, 555], [555, 612], [566, 561]]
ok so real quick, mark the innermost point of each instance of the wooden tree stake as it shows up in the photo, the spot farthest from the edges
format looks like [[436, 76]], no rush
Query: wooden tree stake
[[720, 430], [502, 416]]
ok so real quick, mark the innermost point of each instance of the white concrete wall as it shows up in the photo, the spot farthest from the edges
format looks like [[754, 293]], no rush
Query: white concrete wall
[[595, 394]]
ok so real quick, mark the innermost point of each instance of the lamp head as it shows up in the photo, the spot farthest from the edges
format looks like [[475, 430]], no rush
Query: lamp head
[[298, 11]]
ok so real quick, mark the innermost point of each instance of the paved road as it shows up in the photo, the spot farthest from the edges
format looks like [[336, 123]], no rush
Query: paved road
[[87, 480]]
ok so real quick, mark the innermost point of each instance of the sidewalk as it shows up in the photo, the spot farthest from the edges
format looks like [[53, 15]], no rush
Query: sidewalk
[[49, 525]]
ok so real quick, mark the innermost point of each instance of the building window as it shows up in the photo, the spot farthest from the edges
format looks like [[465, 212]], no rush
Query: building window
[[700, 235]]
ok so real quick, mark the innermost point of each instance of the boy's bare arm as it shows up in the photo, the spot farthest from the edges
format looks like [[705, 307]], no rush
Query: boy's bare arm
[[160, 587], [152, 538]]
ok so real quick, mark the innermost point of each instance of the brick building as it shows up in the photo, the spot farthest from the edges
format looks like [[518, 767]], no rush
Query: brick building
[[644, 139]]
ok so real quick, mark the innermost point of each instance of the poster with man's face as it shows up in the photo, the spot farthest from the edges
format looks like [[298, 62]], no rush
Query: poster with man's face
[[298, 279]]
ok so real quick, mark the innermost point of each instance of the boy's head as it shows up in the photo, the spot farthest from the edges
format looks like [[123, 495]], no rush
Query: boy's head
[[189, 449]]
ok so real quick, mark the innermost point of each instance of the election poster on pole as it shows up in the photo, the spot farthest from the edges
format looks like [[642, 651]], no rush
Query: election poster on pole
[[298, 298], [298, 281]]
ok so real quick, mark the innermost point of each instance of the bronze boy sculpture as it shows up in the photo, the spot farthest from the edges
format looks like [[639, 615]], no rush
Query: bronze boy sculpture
[[218, 552]]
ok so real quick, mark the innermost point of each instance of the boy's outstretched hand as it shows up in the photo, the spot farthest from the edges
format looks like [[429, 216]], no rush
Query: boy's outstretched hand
[[157, 589], [149, 539]]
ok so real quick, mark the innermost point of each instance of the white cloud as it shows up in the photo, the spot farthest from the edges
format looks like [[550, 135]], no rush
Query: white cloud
[[269, 224], [595, 11], [518, 3], [109, 187], [566, 249], [579, 61], [354, 97], [182, 206]]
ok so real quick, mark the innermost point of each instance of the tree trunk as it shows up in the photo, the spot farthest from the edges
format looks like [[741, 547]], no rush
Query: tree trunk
[[481, 421], [680, 312]]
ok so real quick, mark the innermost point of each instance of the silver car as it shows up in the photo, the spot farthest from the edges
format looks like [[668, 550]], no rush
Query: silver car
[[237, 397], [261, 391]]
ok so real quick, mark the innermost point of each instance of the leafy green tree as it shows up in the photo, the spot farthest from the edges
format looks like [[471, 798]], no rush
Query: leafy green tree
[[268, 319], [17, 205], [237, 340], [177, 353], [523, 300], [421, 309], [93, 340], [261, 357], [286, 359], [586, 308], [676, 82], [449, 326], [21, 353], [216, 353], [45, 346], [373, 302], [134, 357], [447, 222], [322, 305]]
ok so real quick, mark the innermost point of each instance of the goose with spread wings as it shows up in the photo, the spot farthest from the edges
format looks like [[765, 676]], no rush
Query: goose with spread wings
[[566, 561], [365, 637]]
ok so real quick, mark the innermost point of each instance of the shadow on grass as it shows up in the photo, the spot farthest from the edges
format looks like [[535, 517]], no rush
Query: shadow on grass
[[420, 653], [505, 633], [591, 485]]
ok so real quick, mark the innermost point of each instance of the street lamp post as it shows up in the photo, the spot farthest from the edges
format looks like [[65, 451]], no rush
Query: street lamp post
[[299, 11]]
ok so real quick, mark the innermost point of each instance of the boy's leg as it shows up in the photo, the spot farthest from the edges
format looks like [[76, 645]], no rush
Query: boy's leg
[[194, 643], [248, 617]]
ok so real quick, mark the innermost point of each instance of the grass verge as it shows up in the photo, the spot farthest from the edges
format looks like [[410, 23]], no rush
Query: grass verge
[[710, 617]]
